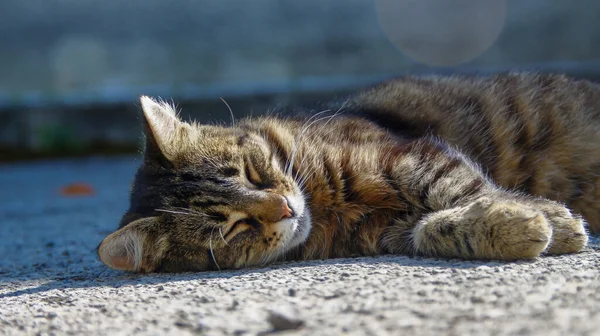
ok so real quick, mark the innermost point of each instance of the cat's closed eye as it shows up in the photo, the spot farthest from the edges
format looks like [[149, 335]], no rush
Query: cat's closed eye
[[237, 228], [252, 175]]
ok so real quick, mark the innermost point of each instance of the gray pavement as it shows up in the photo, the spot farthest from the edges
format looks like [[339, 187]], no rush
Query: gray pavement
[[52, 283]]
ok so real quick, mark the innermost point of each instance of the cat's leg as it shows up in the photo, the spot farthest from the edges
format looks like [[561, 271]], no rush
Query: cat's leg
[[464, 215], [503, 227]]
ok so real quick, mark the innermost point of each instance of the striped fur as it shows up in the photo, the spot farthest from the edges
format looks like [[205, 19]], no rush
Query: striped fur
[[501, 167]]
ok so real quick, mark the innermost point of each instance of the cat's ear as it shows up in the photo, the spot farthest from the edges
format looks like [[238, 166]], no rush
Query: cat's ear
[[163, 130], [131, 248]]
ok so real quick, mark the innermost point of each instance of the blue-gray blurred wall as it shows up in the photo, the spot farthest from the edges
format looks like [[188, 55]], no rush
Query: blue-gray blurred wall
[[104, 49], [76, 52]]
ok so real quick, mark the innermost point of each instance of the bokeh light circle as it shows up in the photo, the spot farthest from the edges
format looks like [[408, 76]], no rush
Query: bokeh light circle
[[442, 32]]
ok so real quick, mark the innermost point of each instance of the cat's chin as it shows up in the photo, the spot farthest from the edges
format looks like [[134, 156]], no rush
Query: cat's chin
[[301, 232]]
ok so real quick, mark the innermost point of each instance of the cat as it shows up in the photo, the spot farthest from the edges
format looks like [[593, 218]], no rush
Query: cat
[[504, 167]]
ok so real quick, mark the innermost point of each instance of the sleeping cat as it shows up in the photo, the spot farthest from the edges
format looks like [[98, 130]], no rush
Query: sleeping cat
[[451, 167]]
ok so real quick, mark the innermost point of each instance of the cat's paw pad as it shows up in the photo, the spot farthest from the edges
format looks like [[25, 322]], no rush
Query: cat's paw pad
[[568, 230], [515, 231]]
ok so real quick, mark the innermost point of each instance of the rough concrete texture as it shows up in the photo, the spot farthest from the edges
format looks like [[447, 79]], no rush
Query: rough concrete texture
[[52, 283]]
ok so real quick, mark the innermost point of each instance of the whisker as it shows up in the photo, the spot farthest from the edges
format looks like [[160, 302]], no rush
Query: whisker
[[221, 232], [282, 253], [305, 127], [298, 171], [261, 260], [230, 112], [174, 212], [302, 177], [212, 253], [299, 167], [190, 211], [299, 176]]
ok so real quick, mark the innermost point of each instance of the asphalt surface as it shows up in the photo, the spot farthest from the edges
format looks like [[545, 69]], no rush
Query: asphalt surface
[[52, 283]]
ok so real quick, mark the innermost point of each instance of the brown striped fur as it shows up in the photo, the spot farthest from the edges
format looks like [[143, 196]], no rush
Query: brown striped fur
[[499, 167]]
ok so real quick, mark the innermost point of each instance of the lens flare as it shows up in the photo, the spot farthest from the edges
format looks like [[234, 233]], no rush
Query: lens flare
[[442, 32]]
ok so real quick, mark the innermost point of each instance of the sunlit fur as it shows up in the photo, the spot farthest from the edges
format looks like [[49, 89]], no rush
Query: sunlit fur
[[443, 167]]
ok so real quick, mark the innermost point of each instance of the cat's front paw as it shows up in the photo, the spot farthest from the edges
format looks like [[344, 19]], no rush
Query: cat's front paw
[[484, 229], [514, 230], [568, 230]]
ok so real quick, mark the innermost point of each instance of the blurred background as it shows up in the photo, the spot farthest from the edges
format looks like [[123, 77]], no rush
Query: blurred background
[[71, 71]]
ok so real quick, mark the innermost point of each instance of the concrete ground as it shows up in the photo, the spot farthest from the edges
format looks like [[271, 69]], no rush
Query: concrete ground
[[52, 283]]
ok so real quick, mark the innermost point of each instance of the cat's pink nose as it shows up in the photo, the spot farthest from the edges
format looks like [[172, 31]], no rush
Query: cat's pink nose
[[286, 212], [272, 208]]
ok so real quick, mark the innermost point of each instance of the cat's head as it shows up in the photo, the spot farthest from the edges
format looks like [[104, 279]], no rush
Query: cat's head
[[206, 197]]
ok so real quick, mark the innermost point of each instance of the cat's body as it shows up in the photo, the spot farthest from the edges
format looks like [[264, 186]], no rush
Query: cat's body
[[425, 166]]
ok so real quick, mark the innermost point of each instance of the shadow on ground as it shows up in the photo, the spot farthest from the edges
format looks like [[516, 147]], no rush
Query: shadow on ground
[[94, 274]]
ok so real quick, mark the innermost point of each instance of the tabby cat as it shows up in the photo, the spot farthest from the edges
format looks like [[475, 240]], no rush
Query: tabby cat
[[451, 167]]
